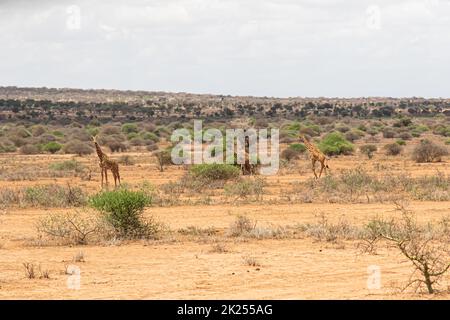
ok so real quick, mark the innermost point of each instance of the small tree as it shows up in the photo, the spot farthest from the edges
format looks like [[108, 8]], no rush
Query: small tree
[[163, 158]]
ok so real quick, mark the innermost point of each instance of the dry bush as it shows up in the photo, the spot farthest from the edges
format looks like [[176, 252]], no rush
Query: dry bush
[[324, 230], [79, 257], [251, 261], [392, 149], [29, 149], [44, 196], [428, 151], [69, 228], [198, 231], [110, 130], [38, 130], [218, 248], [427, 251], [357, 185], [368, 150], [32, 271], [246, 228], [77, 147], [127, 160], [388, 133], [405, 136], [240, 226], [290, 154], [53, 196], [246, 189], [163, 158]]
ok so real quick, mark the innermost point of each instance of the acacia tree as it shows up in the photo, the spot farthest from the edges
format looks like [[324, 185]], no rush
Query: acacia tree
[[428, 254]]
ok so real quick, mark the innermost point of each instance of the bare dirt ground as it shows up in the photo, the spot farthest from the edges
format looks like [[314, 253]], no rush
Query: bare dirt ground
[[182, 268]]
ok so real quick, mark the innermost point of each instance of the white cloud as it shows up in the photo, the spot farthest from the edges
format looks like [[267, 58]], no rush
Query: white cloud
[[260, 47]]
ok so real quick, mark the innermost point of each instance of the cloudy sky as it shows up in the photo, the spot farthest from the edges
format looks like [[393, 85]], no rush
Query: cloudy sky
[[334, 48]]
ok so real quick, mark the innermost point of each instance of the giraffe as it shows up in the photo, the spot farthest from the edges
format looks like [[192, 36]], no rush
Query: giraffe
[[107, 164], [247, 168], [315, 155]]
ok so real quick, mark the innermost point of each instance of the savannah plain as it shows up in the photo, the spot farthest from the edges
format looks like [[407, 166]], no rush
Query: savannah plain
[[286, 236]]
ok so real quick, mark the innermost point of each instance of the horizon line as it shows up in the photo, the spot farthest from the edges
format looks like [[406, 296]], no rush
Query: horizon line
[[222, 94]]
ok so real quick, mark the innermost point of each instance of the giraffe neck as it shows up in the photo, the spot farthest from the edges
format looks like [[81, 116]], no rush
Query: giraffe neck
[[100, 153], [311, 148]]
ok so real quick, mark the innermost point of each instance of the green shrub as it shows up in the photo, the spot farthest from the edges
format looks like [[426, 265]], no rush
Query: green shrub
[[51, 147], [299, 147], [400, 142], [334, 143], [447, 142], [150, 136], [162, 131], [123, 210], [132, 135], [58, 133], [420, 128], [294, 126], [213, 172], [92, 131], [442, 130], [130, 128]]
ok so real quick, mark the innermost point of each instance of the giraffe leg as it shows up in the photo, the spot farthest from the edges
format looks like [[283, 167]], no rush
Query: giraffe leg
[[118, 176], [313, 161], [101, 169], [322, 166], [106, 176]]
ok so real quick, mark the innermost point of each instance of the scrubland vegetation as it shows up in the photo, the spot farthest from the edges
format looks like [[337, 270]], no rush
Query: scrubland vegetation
[[382, 156]]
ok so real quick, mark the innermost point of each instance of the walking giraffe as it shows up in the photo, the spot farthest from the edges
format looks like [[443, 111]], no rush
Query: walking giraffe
[[315, 155], [106, 164]]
